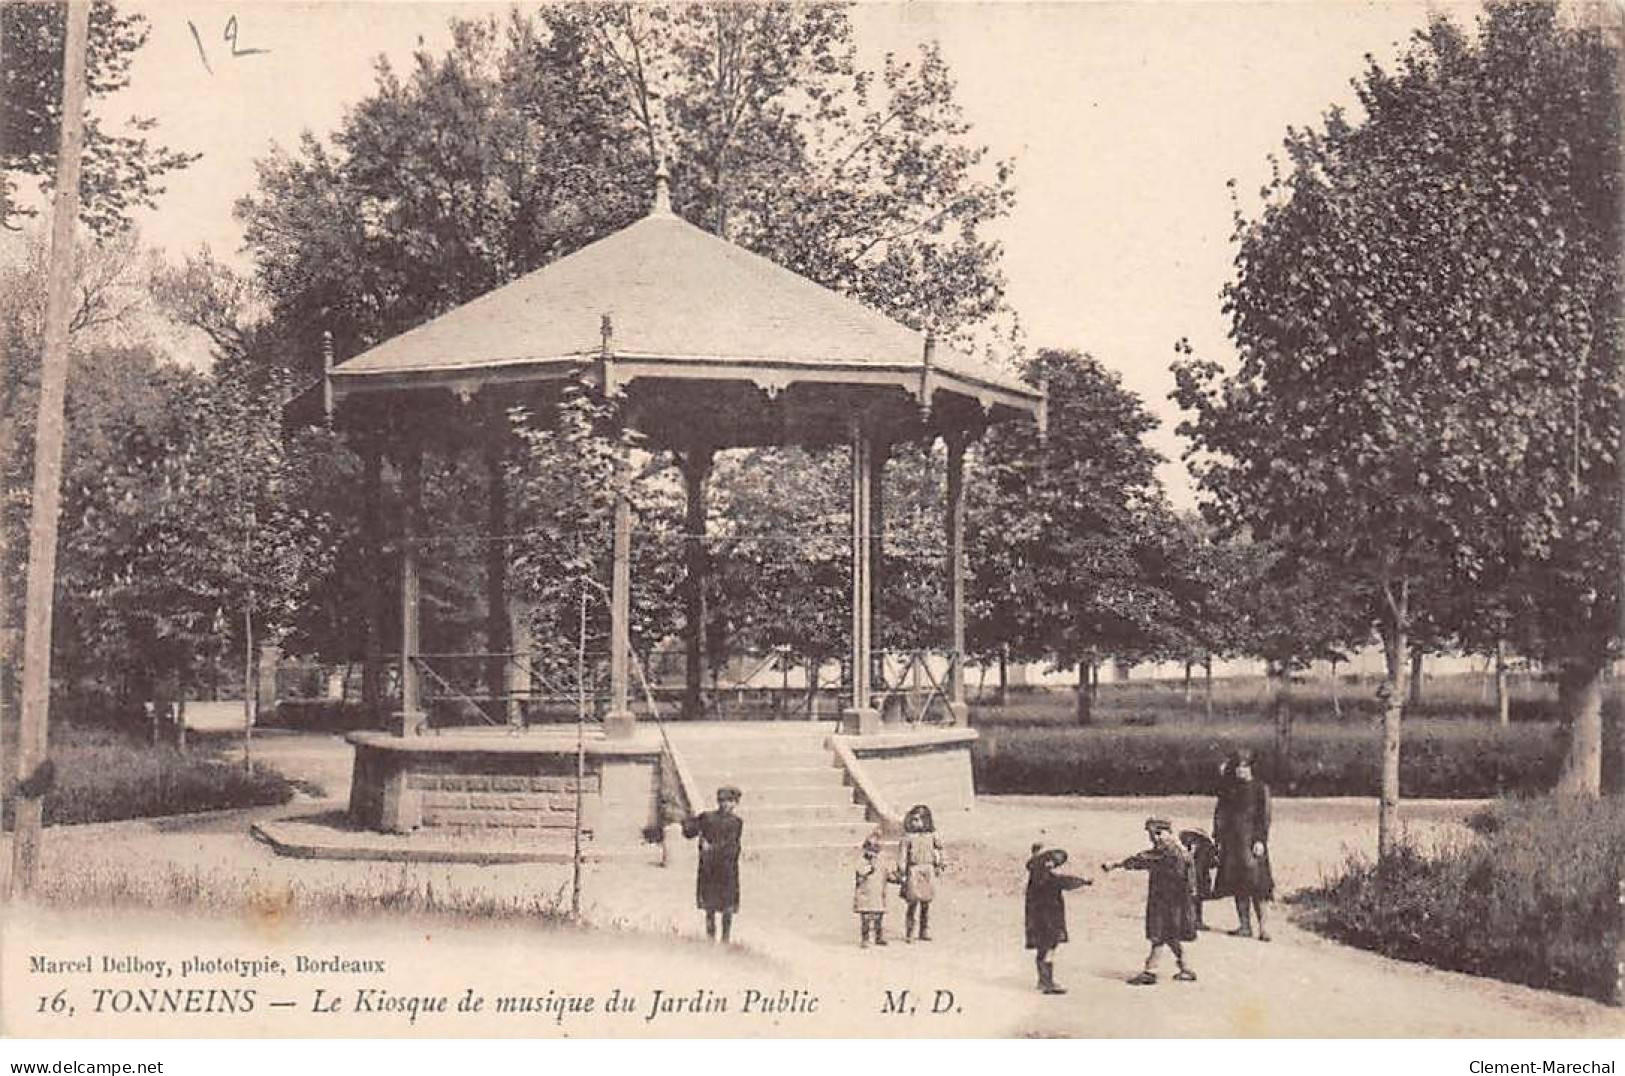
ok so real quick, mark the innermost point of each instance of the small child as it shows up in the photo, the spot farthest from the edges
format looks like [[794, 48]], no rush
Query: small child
[[869, 895], [1168, 917], [1046, 911], [1204, 861], [919, 859]]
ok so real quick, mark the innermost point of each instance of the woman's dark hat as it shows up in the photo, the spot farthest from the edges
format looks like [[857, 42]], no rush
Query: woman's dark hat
[[729, 792]]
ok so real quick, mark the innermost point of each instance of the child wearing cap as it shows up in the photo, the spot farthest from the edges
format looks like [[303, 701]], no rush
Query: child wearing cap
[[716, 887], [869, 894], [1046, 910], [1169, 919]]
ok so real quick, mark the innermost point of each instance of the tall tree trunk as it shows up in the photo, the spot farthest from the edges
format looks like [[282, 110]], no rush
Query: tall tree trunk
[[1503, 700], [1085, 701], [1337, 701], [1582, 766], [782, 703], [248, 685], [1281, 712], [1395, 644], [814, 665], [1207, 687], [1188, 664], [1414, 697], [1004, 675]]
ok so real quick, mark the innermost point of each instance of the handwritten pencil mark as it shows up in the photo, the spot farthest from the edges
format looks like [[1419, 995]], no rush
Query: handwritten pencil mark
[[202, 55], [230, 35]]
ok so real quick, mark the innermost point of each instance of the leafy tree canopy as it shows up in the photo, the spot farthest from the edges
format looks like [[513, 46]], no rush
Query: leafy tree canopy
[[1426, 309], [1065, 544], [122, 170]]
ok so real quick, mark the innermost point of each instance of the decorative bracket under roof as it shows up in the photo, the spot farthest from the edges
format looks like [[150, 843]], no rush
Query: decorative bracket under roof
[[926, 381], [771, 382]]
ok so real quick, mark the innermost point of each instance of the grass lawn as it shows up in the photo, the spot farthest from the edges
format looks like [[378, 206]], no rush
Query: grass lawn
[[106, 775], [1148, 739]]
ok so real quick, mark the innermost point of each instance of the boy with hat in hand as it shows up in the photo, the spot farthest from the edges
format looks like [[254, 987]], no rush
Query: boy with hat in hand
[[716, 888], [1169, 910], [1046, 910]]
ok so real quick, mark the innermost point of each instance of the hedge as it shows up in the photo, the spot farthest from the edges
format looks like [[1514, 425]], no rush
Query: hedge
[[1439, 759], [1531, 900]]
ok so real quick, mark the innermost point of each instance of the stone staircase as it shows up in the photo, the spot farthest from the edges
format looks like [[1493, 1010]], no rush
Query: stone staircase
[[795, 792]]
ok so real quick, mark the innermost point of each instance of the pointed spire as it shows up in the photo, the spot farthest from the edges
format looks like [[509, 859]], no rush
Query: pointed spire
[[662, 200]]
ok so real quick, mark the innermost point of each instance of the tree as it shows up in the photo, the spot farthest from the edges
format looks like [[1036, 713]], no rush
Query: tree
[[565, 479], [185, 542], [107, 375], [1234, 597], [1063, 537], [121, 171], [533, 137], [781, 554], [863, 181], [1423, 316], [467, 171]]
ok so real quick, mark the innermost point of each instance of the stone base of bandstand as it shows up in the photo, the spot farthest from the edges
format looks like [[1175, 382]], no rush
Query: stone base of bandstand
[[493, 795]]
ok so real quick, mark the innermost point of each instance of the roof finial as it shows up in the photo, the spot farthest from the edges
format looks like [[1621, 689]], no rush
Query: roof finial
[[662, 202]]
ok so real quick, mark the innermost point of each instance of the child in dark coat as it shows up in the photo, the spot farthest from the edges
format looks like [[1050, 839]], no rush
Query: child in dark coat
[[716, 887], [1046, 910], [1169, 919], [1204, 861]]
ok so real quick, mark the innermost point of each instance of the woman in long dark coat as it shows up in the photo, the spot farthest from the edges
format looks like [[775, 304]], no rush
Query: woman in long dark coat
[[716, 887], [1241, 828], [1046, 911]]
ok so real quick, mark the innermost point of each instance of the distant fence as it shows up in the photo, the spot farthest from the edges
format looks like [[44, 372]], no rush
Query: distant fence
[[456, 688]]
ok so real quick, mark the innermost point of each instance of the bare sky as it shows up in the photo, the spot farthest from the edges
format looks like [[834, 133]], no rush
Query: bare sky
[[1125, 121]]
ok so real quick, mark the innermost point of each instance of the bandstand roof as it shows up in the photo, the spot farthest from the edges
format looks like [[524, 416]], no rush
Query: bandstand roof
[[701, 334]]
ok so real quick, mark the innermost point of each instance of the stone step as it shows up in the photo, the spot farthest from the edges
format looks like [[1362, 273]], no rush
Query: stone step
[[820, 795], [754, 745], [848, 837], [815, 764], [800, 813], [710, 778]]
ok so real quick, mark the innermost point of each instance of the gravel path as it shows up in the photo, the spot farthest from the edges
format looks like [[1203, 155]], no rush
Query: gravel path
[[796, 930]]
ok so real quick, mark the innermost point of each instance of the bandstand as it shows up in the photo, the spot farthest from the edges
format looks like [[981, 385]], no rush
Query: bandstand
[[705, 347]]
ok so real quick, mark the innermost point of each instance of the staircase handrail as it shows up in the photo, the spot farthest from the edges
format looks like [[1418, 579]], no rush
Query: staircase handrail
[[686, 787], [891, 822]]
